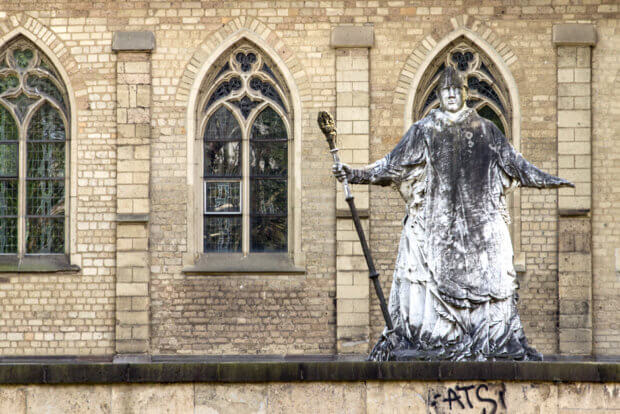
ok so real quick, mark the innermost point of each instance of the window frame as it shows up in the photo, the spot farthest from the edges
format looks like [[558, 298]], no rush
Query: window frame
[[196, 261], [246, 130], [22, 261]]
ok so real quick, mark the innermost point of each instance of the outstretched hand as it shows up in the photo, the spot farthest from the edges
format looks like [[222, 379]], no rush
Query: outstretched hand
[[565, 183]]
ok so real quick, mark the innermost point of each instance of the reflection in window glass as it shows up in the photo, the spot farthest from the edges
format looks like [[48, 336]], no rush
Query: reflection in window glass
[[245, 155], [222, 158], [45, 182], [33, 108], [490, 114], [222, 234], [268, 184], [8, 182]]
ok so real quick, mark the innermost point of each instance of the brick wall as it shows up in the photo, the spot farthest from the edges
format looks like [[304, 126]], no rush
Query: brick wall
[[75, 313]]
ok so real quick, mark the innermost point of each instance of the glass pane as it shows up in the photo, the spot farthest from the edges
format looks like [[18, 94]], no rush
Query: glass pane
[[45, 198], [8, 197], [22, 102], [484, 89], [46, 125], [268, 125], [45, 86], [23, 57], [8, 235], [222, 197], [246, 105], [268, 197], [224, 90], [222, 234], [45, 235], [268, 158], [222, 126], [8, 127], [8, 160], [267, 90], [46, 160], [8, 82], [490, 114], [268, 234], [222, 158]]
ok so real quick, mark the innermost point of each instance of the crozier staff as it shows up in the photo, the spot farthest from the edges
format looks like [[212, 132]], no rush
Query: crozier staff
[[453, 294]]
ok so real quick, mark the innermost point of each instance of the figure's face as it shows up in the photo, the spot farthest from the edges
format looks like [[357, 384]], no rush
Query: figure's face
[[451, 99]]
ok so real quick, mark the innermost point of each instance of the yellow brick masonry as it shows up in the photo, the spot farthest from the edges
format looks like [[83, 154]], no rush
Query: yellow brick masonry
[[75, 313]]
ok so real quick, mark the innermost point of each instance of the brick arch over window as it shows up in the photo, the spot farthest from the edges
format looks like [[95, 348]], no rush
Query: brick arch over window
[[201, 66], [423, 59], [28, 27]]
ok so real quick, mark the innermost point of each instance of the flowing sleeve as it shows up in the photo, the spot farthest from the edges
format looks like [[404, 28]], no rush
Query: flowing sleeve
[[389, 169], [518, 168]]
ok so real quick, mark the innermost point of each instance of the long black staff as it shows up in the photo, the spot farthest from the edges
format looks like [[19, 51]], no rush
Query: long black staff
[[328, 126]]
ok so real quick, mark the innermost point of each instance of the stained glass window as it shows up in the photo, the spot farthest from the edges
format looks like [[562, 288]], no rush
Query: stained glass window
[[222, 198], [268, 183], [245, 164], [486, 94], [33, 111]]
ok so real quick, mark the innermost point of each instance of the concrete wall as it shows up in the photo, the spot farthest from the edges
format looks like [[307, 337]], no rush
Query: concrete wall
[[314, 397], [78, 313]]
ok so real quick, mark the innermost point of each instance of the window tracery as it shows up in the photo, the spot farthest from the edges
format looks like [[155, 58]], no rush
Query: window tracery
[[245, 127], [486, 93], [34, 123]]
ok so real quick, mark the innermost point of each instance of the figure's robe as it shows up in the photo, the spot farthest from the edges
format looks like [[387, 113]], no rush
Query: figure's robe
[[453, 175]]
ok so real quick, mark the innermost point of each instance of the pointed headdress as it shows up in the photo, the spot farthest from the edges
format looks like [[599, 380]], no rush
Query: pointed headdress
[[450, 78]]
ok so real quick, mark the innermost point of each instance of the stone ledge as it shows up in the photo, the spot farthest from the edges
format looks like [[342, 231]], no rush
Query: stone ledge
[[286, 369], [133, 41], [132, 218], [573, 212], [47, 263], [574, 34], [234, 263], [353, 36]]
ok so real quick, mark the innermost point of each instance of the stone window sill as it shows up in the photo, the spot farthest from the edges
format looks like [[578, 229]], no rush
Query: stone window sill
[[50, 263], [234, 263]]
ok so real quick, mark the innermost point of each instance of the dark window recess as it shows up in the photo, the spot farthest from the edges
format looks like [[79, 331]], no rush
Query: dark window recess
[[268, 183], [224, 90], [267, 90]]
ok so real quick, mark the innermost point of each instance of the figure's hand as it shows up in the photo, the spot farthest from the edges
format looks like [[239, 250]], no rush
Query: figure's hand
[[564, 183], [341, 171]]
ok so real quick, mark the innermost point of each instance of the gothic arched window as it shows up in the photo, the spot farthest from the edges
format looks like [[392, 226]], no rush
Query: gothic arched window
[[487, 95], [244, 122], [34, 126]]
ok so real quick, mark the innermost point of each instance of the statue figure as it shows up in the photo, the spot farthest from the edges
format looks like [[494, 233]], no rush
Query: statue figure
[[453, 294]]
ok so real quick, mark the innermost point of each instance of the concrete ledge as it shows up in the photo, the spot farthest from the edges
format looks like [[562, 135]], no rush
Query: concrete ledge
[[346, 213], [46, 263], [266, 369], [353, 36], [133, 41], [574, 34], [573, 212], [132, 218], [234, 263]]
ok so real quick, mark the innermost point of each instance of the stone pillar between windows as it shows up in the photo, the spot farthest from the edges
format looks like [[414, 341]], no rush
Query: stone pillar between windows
[[574, 43], [352, 120], [133, 111]]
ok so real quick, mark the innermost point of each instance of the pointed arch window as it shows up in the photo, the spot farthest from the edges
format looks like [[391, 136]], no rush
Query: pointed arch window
[[244, 121], [34, 126], [487, 95]]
